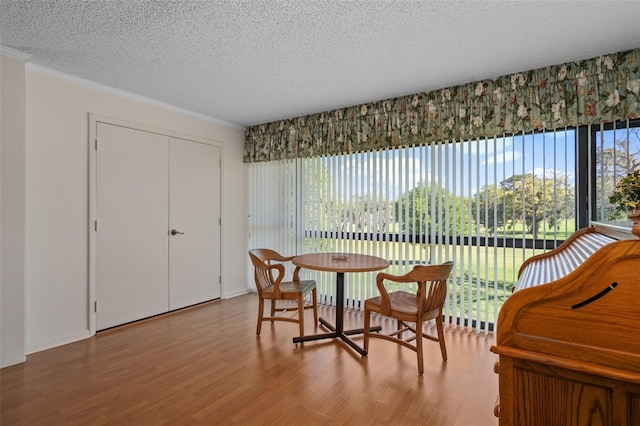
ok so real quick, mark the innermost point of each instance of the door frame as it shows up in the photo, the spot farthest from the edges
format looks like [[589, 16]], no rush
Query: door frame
[[94, 119]]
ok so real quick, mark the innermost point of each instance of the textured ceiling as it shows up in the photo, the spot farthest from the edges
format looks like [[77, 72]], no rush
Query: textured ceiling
[[249, 62]]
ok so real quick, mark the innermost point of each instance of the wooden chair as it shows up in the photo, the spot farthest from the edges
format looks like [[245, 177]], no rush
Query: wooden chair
[[269, 267], [407, 307]]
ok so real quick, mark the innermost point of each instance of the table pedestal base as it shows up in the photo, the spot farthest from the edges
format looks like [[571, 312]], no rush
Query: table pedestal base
[[338, 331], [343, 335]]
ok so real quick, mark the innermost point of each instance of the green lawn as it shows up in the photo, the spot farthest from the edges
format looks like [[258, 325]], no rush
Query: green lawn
[[482, 279]]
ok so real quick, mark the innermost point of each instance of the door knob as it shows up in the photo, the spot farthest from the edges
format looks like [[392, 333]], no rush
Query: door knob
[[174, 232]]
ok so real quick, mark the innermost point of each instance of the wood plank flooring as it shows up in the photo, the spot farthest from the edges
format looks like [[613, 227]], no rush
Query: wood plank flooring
[[205, 365]]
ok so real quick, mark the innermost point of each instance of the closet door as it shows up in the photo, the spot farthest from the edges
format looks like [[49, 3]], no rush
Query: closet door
[[132, 205], [194, 217]]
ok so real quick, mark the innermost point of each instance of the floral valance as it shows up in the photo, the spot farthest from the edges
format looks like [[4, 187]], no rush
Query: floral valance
[[602, 89]]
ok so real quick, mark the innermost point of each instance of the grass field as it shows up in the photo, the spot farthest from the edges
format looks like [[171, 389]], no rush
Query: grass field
[[482, 279]]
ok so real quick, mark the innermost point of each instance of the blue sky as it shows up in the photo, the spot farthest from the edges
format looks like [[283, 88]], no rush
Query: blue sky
[[391, 173]]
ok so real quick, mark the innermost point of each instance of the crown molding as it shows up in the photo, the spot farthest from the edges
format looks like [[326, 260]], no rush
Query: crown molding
[[132, 96], [15, 54]]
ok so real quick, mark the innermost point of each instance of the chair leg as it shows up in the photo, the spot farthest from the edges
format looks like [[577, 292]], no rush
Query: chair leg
[[260, 315], [443, 347], [399, 326], [314, 300], [273, 309], [419, 347], [367, 324], [301, 314]]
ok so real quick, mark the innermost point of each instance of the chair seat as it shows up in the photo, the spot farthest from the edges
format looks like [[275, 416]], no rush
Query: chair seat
[[405, 307], [290, 289], [269, 271], [402, 302]]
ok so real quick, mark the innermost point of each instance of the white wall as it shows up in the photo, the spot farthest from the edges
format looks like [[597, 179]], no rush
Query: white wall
[[57, 129], [12, 211]]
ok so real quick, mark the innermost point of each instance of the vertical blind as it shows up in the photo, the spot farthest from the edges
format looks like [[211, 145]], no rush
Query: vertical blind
[[485, 204], [616, 148]]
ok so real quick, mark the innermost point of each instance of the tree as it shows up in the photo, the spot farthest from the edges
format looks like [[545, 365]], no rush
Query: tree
[[426, 209], [489, 206], [318, 199], [370, 214], [613, 163], [333, 214], [534, 201]]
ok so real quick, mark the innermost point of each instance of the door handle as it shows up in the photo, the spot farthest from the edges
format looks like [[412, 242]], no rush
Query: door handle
[[174, 232]]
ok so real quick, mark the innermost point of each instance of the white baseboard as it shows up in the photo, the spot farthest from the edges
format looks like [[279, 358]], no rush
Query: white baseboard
[[86, 334], [236, 293], [13, 361], [59, 342]]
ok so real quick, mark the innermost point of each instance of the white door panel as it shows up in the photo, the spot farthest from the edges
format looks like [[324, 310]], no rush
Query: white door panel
[[194, 253], [132, 210], [147, 184]]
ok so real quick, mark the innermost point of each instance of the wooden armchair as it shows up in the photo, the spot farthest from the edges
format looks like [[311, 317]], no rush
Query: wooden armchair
[[407, 307], [269, 272]]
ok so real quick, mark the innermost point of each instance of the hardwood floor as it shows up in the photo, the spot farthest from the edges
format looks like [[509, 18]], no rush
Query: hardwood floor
[[205, 365]]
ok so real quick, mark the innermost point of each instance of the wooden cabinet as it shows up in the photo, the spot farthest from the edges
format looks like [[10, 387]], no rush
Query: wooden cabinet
[[535, 392], [569, 350]]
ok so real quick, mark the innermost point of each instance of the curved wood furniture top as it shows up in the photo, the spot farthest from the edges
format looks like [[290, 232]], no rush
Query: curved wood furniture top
[[551, 318], [577, 249], [340, 262], [559, 262], [556, 250], [569, 349]]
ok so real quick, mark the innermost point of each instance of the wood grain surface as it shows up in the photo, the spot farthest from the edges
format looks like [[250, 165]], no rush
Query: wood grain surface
[[205, 365]]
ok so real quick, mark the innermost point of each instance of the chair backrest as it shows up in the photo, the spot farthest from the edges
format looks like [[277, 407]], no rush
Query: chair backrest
[[434, 294], [269, 268], [432, 285]]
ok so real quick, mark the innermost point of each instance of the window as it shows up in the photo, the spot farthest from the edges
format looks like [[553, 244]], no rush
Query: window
[[485, 204], [616, 149]]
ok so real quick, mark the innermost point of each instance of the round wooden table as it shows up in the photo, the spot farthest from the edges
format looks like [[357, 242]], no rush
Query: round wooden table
[[339, 263]]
